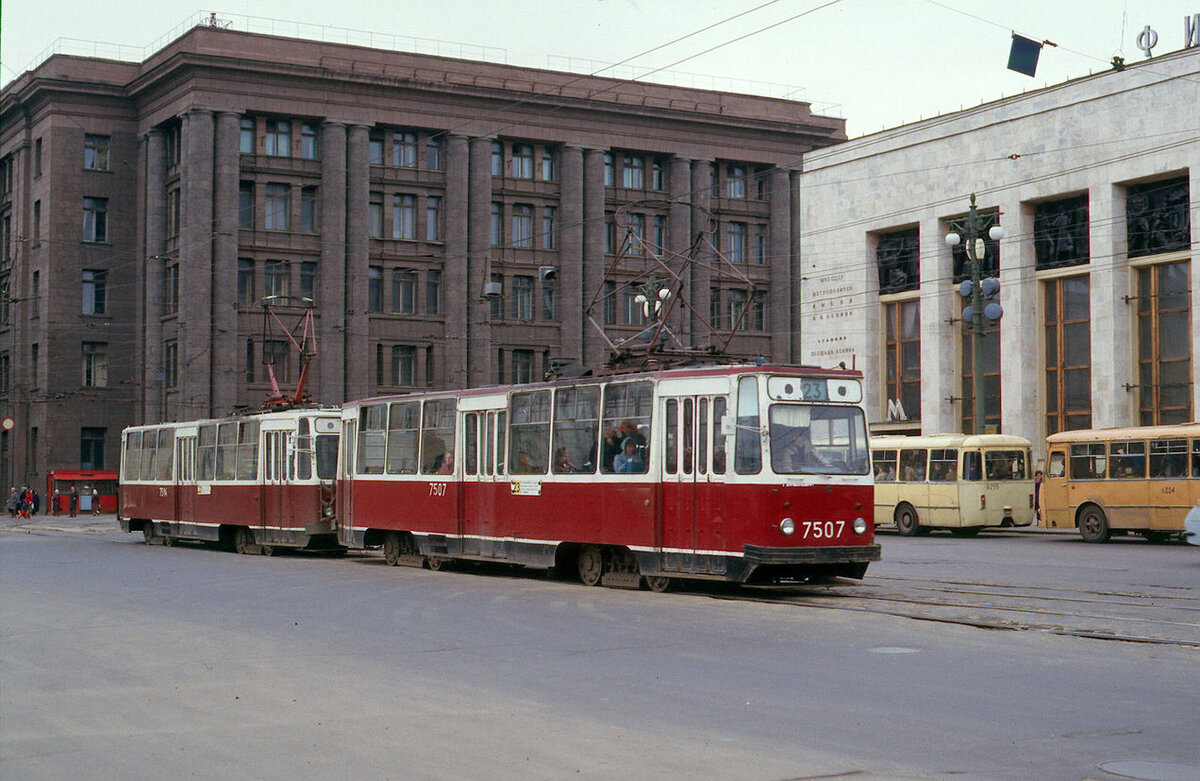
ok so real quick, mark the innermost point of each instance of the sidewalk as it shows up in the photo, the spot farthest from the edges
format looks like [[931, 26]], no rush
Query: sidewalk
[[84, 522]]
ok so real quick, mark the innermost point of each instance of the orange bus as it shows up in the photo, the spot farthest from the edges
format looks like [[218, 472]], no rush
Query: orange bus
[[1138, 480]]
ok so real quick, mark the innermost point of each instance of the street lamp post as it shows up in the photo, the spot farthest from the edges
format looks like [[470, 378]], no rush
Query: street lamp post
[[976, 289]]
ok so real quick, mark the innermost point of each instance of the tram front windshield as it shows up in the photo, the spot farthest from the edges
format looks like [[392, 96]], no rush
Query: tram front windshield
[[817, 439], [327, 446]]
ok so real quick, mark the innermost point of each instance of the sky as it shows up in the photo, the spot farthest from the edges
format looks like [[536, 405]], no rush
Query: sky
[[876, 63]]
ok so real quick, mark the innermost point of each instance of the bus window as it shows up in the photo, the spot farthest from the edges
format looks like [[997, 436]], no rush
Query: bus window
[[1128, 460], [1005, 464], [1058, 464], [943, 465], [885, 465], [1196, 458], [912, 465], [403, 424], [972, 465], [437, 437], [1168, 458], [1088, 461], [529, 431], [576, 421], [747, 448]]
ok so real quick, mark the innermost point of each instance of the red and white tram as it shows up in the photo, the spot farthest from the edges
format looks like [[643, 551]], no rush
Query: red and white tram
[[750, 474], [253, 482]]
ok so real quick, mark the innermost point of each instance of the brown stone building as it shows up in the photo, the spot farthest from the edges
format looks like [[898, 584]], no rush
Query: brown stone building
[[147, 209]]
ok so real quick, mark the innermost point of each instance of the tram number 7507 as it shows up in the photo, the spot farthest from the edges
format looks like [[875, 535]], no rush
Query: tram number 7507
[[821, 530], [437, 489]]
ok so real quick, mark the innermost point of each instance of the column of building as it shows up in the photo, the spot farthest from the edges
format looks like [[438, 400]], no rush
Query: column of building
[[226, 176], [358, 354], [941, 336], [480, 351], [794, 320], [151, 263], [1113, 360], [459, 293], [679, 230], [195, 265], [701, 282], [595, 351], [330, 303], [1022, 363], [779, 253], [574, 296]]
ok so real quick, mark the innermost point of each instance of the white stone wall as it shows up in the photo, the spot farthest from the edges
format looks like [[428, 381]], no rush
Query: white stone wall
[[1092, 135]]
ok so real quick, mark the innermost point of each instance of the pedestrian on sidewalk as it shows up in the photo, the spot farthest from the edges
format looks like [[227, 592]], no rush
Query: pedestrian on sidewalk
[[54, 505], [95, 500], [37, 501], [14, 501], [73, 501]]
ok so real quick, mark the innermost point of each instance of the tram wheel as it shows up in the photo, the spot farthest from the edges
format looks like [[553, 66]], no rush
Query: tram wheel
[[657, 583], [966, 531], [391, 548], [591, 565], [1093, 525], [243, 540], [268, 550], [435, 563], [148, 533], [906, 521]]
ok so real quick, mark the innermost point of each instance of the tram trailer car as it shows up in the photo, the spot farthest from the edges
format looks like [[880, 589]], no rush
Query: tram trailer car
[[253, 482], [748, 474]]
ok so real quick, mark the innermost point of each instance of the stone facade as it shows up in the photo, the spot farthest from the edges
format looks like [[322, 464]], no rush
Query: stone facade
[[390, 188], [1101, 140]]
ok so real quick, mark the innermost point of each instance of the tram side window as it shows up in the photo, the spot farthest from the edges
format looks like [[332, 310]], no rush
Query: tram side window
[[529, 433], [576, 421], [1168, 458], [227, 442], [247, 450], [403, 424], [747, 446], [720, 405], [327, 455], [1128, 460], [885, 465], [166, 449], [372, 420], [207, 447], [912, 465], [501, 439], [471, 443], [625, 419], [304, 450], [437, 437], [146, 456], [131, 459], [1088, 461]]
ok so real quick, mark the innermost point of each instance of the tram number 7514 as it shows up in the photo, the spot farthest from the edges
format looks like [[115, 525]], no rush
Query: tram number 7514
[[820, 530]]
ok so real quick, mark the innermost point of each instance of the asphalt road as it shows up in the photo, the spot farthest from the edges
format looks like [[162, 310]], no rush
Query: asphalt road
[[124, 660]]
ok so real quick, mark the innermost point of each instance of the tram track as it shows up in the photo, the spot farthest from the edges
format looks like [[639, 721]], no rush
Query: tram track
[[1152, 617]]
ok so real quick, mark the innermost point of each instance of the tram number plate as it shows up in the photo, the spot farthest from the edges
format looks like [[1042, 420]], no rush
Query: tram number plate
[[821, 530], [437, 489]]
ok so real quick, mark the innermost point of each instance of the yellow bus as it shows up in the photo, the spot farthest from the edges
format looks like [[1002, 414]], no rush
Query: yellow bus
[[1141, 480], [959, 482]]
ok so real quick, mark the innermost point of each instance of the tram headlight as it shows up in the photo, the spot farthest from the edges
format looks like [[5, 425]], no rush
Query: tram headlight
[[787, 526], [860, 525]]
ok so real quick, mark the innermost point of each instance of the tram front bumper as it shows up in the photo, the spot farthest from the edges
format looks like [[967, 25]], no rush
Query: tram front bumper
[[841, 554]]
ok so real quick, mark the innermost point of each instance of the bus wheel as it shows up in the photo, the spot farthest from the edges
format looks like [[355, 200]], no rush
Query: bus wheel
[[243, 540], [391, 548], [657, 583], [966, 531], [906, 520], [1093, 525], [591, 565]]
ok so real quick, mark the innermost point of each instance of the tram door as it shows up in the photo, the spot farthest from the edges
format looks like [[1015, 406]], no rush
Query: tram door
[[344, 495], [689, 524], [277, 471], [483, 466], [185, 481]]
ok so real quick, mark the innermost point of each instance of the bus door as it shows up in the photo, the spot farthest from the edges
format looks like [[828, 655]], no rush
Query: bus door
[[688, 524], [185, 482], [1052, 497], [278, 470]]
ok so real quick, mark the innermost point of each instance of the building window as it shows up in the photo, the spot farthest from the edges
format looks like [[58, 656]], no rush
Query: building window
[[497, 223], [95, 364], [278, 207], [902, 346], [246, 135], [250, 361], [37, 157], [549, 165], [277, 358], [375, 148], [609, 305], [375, 289], [91, 448], [375, 215], [497, 306], [762, 184], [170, 289], [992, 401], [1165, 339], [1067, 307], [610, 235], [245, 282], [522, 225], [279, 138], [737, 309], [636, 230], [760, 244], [95, 220], [245, 205], [433, 218], [548, 303], [404, 149], [308, 140], [404, 291], [714, 307], [1158, 217], [737, 242], [631, 310], [433, 292], [522, 161], [522, 298], [657, 175], [95, 152], [610, 177], [897, 256], [522, 366], [404, 365], [33, 365], [94, 284], [1060, 232], [735, 181], [308, 209], [633, 171], [990, 264], [37, 222], [171, 364], [308, 280], [548, 218], [404, 216], [660, 236], [276, 277], [433, 153], [497, 159], [5, 374]]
